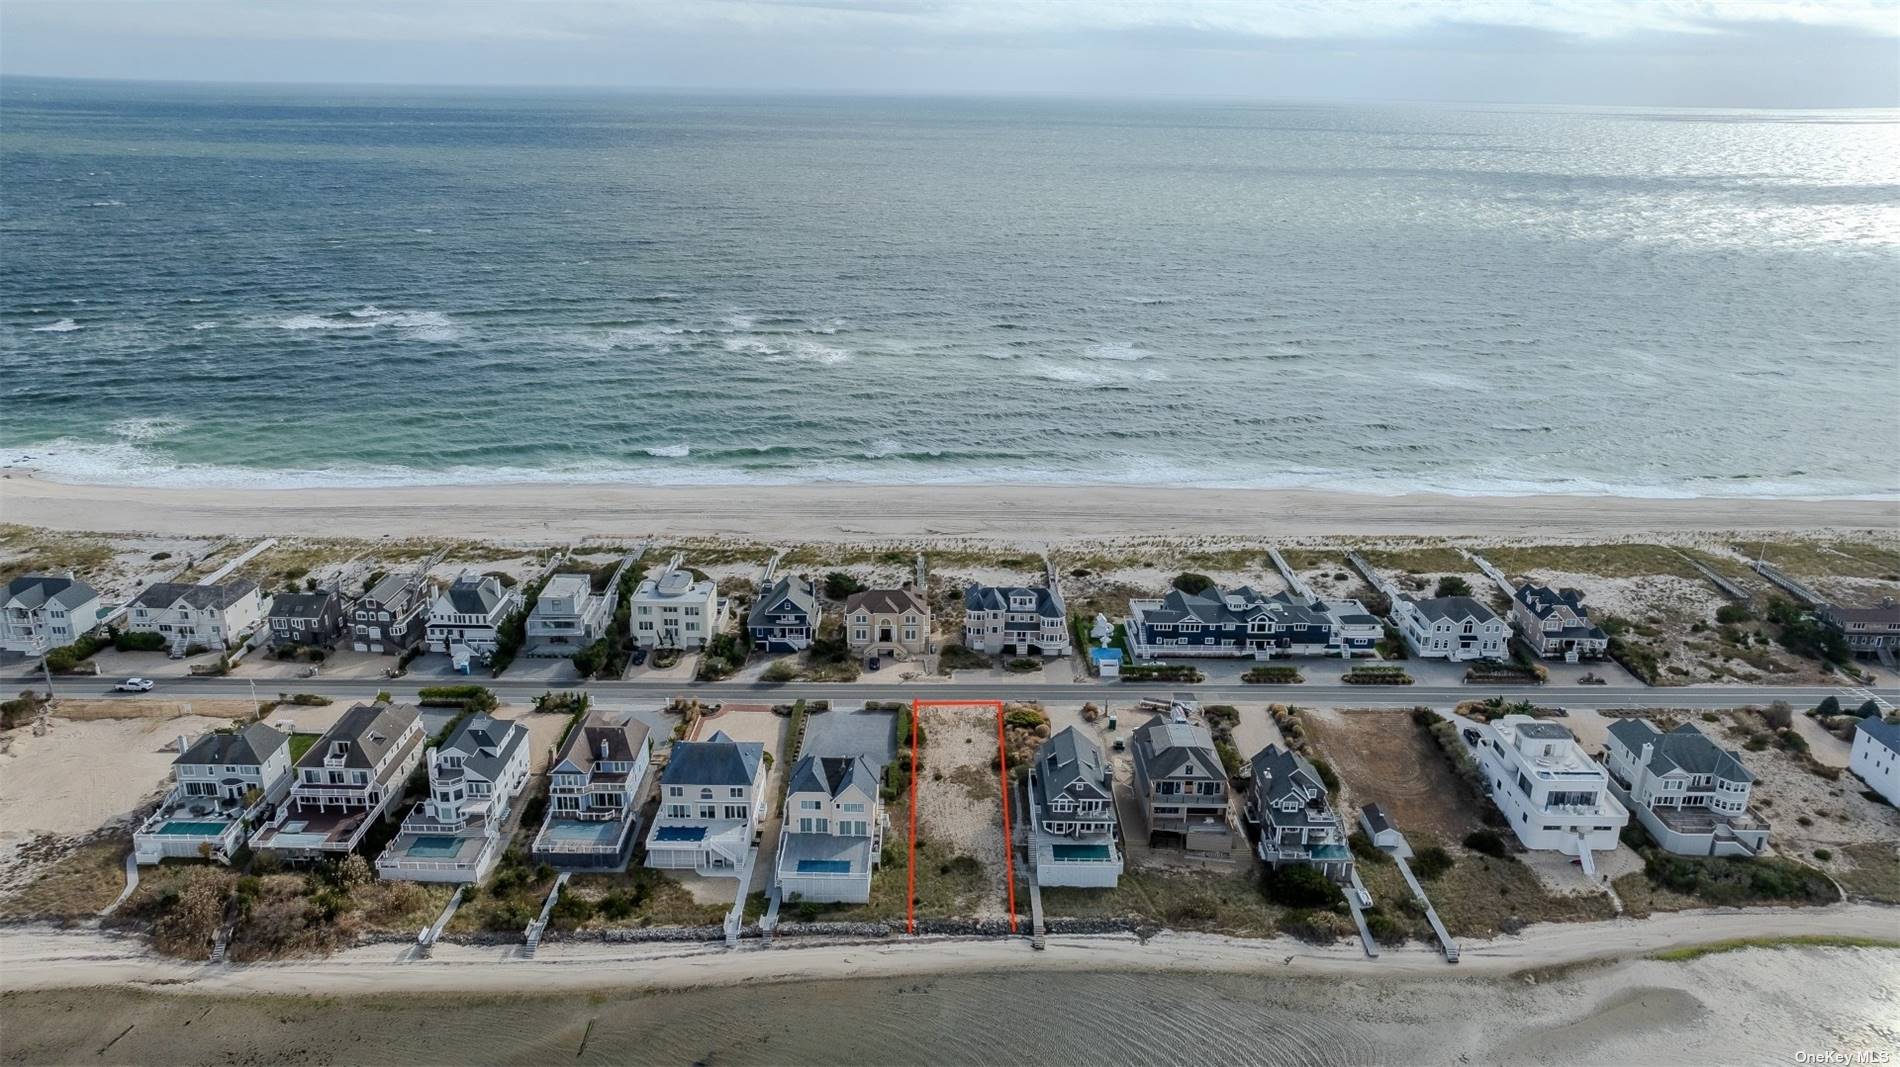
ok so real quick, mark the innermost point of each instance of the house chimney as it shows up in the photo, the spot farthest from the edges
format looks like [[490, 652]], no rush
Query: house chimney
[[183, 744], [1648, 749], [603, 748]]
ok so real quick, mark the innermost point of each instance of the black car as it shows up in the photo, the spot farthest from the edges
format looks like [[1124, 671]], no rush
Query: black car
[[638, 657]]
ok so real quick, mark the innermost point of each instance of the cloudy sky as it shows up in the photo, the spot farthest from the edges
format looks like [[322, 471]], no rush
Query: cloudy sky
[[1741, 53]]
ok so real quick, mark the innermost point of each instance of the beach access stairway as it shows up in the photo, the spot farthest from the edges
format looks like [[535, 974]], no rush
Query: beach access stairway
[[1492, 572], [1293, 583], [1802, 593], [425, 941], [1373, 577], [1359, 915], [1723, 585], [540, 925]]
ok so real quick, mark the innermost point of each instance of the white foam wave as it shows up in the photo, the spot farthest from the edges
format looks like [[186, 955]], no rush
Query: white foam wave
[[417, 325], [62, 326], [204, 325], [1096, 377], [146, 428], [107, 203], [785, 350], [674, 451], [1117, 350]]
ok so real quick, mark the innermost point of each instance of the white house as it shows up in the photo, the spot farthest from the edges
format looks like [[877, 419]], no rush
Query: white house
[[220, 783], [568, 616], [1072, 814], [1876, 757], [1015, 620], [833, 831], [1555, 796], [595, 785], [456, 834], [1456, 628], [215, 616], [42, 612], [712, 795], [1690, 793], [672, 610], [344, 781], [465, 619]]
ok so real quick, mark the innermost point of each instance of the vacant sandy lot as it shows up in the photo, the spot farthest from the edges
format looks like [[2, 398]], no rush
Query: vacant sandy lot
[[1382, 758], [959, 798]]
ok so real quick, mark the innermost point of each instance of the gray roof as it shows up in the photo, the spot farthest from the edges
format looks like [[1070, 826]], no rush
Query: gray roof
[[165, 594], [1545, 731], [1684, 747], [1543, 602], [1069, 764], [1375, 818], [33, 590], [1882, 731], [301, 605], [395, 588], [475, 594], [486, 744], [996, 598], [832, 775], [582, 749], [717, 761], [1164, 746], [883, 602], [1885, 614], [248, 747], [1278, 775], [802, 594], [1453, 609], [368, 730]]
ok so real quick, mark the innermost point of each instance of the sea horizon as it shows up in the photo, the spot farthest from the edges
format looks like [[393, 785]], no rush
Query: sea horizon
[[282, 286]]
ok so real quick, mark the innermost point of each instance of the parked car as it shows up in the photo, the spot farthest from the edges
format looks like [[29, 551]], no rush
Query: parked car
[[873, 663], [1471, 737], [135, 685], [638, 657]]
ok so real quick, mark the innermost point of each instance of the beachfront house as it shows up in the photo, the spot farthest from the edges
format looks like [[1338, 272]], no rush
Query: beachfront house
[[1555, 625], [221, 782], [465, 619], [568, 616], [1456, 628], [1875, 757], [887, 622], [455, 835], [1071, 794], [1241, 622], [300, 620], [712, 795], [1180, 784], [784, 616], [392, 616], [42, 612], [345, 781], [674, 610], [1288, 806], [1015, 620], [832, 835], [1868, 631], [1555, 797], [595, 786], [1690, 793], [188, 616]]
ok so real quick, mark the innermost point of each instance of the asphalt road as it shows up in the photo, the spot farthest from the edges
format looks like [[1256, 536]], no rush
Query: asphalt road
[[1577, 696]]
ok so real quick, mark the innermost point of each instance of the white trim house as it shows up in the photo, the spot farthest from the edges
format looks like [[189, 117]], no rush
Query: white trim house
[[454, 835], [672, 610], [345, 781], [465, 619], [1073, 836], [595, 785], [220, 784], [215, 616], [1015, 620], [42, 612], [1875, 757], [1690, 793], [1287, 803], [832, 836], [712, 796], [1456, 628]]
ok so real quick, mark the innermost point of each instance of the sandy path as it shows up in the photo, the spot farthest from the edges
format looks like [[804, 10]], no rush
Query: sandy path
[[39, 957], [1024, 514]]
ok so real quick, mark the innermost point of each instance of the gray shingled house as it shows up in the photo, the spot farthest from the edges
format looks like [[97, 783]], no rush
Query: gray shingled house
[[1072, 813]]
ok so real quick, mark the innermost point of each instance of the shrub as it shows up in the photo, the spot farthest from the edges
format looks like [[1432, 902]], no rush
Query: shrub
[[1384, 928], [1193, 583], [1327, 775], [1733, 614], [1830, 705], [1023, 665], [139, 642], [783, 670], [1298, 887], [1489, 842], [1823, 854], [466, 697], [1452, 585], [589, 661], [1273, 676], [1870, 709], [839, 585], [1230, 760], [1431, 862], [1364, 850], [1779, 715]]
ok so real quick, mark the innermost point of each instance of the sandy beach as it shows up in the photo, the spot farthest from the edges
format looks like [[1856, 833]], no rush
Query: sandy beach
[[1024, 514]]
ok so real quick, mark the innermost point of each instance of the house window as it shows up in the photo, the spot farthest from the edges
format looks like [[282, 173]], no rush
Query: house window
[[738, 811]]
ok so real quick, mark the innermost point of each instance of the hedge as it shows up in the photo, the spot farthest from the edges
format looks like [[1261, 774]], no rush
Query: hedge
[[1273, 676]]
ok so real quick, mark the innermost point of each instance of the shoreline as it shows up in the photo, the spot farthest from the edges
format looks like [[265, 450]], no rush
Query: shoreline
[[831, 512], [41, 957]]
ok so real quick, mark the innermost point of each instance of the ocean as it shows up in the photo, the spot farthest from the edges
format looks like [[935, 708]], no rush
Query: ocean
[[225, 286]]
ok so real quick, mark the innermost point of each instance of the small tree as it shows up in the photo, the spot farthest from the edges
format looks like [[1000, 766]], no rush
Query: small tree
[[1193, 584], [1870, 709], [1780, 714], [1453, 585], [839, 585], [1829, 705]]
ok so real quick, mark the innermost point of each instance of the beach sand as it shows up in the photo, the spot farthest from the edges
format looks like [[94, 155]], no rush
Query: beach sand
[[1020, 514]]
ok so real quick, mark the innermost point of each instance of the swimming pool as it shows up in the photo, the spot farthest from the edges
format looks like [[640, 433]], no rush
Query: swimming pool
[[434, 847], [179, 828]]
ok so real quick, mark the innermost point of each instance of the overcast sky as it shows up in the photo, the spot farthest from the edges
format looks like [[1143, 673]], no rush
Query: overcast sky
[[1736, 53]]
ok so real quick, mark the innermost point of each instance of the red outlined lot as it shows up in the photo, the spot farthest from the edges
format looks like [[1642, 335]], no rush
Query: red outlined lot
[[1002, 770]]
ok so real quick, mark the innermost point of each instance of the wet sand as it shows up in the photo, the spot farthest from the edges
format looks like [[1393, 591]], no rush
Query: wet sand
[[1756, 1006], [1021, 514]]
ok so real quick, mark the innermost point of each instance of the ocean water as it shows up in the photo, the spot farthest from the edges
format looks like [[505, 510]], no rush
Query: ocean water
[[327, 286]]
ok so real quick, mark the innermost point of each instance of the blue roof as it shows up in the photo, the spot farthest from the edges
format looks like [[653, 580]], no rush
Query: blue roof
[[1105, 655], [679, 833], [1880, 730]]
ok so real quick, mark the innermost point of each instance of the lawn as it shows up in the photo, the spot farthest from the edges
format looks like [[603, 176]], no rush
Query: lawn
[[300, 744], [638, 896], [1603, 561], [76, 885]]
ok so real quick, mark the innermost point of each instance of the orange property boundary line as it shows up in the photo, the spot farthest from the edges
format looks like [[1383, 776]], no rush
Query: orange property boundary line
[[1002, 772]]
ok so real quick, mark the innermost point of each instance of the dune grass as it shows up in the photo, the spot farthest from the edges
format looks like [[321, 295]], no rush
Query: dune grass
[[1736, 944]]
